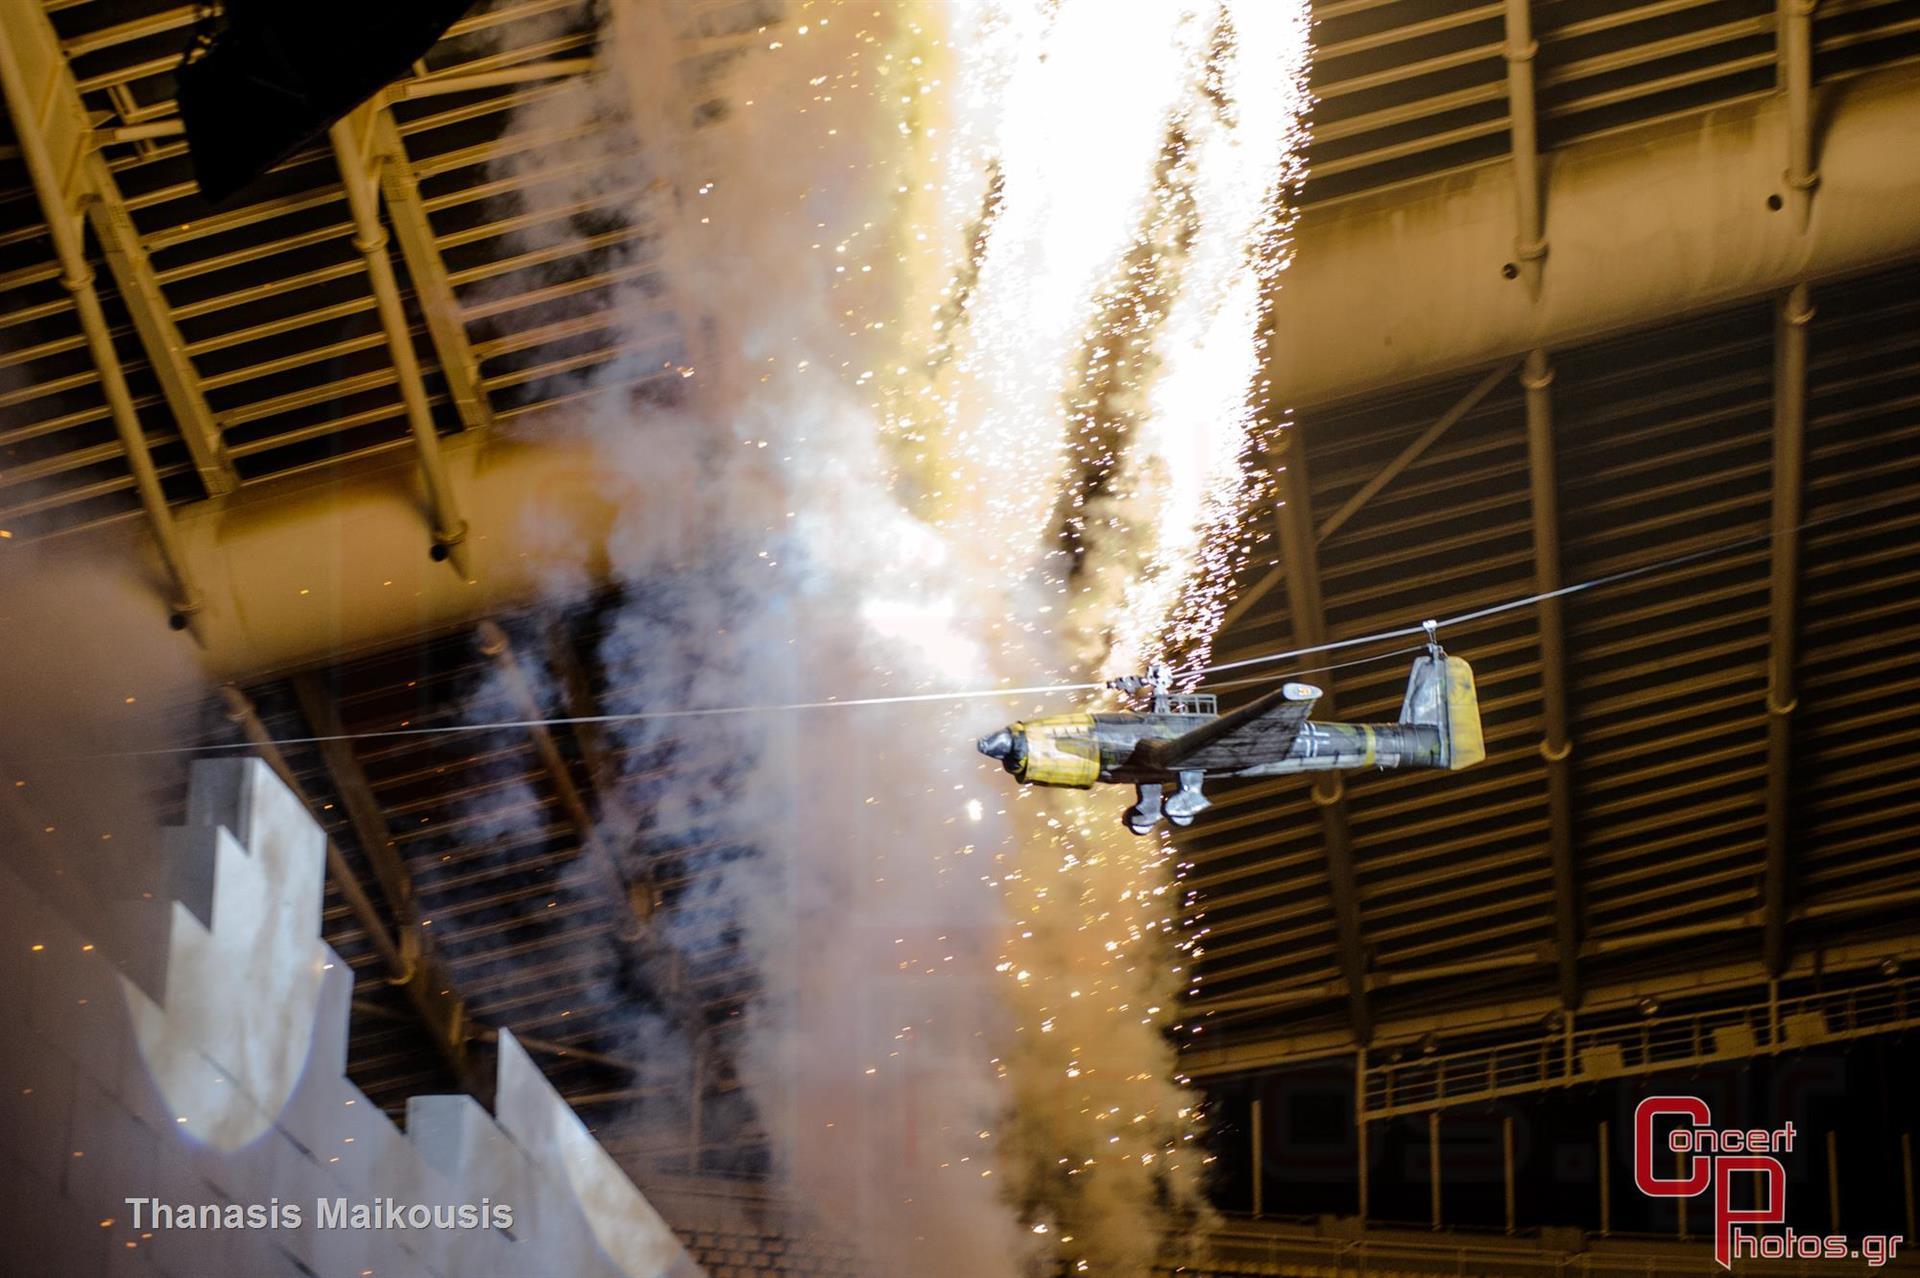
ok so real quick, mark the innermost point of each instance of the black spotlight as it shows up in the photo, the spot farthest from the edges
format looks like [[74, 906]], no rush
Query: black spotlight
[[275, 74]]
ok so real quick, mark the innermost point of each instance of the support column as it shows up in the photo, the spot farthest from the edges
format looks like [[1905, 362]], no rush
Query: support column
[[1556, 747], [1433, 1165], [1796, 79], [1833, 1183], [696, 1119], [1906, 1181], [1789, 446], [1506, 1158], [1255, 1115], [1606, 1179], [1530, 232], [1360, 1132], [1680, 1204]]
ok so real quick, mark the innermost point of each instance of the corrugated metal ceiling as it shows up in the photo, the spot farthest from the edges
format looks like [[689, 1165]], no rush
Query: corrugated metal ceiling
[[1663, 442]]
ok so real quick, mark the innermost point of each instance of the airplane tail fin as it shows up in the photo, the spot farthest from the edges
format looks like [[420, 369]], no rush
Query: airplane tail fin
[[1440, 692]]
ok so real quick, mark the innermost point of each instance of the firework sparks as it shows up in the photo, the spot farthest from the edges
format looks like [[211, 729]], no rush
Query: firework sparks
[[1106, 358]]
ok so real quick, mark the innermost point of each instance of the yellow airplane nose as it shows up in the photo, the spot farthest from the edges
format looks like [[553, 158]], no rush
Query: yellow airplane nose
[[996, 745]]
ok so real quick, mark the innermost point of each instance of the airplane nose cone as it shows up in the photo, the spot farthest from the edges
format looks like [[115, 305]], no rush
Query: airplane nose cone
[[996, 745]]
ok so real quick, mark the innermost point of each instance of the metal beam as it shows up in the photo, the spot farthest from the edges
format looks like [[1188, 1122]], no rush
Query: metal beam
[[1412, 453], [74, 181], [428, 271], [1556, 747], [54, 149], [363, 809], [424, 86], [1415, 450], [427, 985], [1304, 607], [160, 337], [634, 900], [1652, 223], [577, 690], [359, 177], [645, 889], [1791, 317], [1523, 129]]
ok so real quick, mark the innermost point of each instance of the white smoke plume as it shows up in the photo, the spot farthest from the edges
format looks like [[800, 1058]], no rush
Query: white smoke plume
[[969, 295]]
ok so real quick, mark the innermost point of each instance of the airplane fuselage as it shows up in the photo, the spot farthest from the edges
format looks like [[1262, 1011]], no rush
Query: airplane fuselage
[[1182, 741], [1082, 750]]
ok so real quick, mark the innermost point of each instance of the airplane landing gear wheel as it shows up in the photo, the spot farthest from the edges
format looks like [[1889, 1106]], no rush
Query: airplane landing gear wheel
[[1141, 828], [1181, 821]]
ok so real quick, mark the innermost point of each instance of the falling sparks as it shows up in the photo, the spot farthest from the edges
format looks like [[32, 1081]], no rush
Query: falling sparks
[[1090, 411]]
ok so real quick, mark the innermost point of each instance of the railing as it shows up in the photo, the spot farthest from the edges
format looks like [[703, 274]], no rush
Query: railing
[[1191, 703], [1655, 1044], [1240, 1247]]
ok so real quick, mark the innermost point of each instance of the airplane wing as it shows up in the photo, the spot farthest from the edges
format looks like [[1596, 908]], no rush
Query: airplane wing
[[1258, 732]]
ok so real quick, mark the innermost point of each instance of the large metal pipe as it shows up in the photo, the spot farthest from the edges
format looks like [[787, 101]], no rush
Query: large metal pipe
[[1672, 218], [301, 572]]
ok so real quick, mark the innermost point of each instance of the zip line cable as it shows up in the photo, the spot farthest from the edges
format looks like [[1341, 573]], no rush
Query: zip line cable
[[1722, 550]]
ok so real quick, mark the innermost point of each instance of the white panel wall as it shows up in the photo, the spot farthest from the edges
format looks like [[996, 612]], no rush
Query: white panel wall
[[230, 1089]]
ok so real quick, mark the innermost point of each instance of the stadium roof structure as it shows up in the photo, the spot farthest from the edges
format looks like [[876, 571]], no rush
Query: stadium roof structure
[[1581, 286]]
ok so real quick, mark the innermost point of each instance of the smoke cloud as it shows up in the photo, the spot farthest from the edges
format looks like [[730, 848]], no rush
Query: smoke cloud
[[967, 300]]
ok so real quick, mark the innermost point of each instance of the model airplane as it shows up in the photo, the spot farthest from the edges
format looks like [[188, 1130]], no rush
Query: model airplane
[[1183, 740]]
